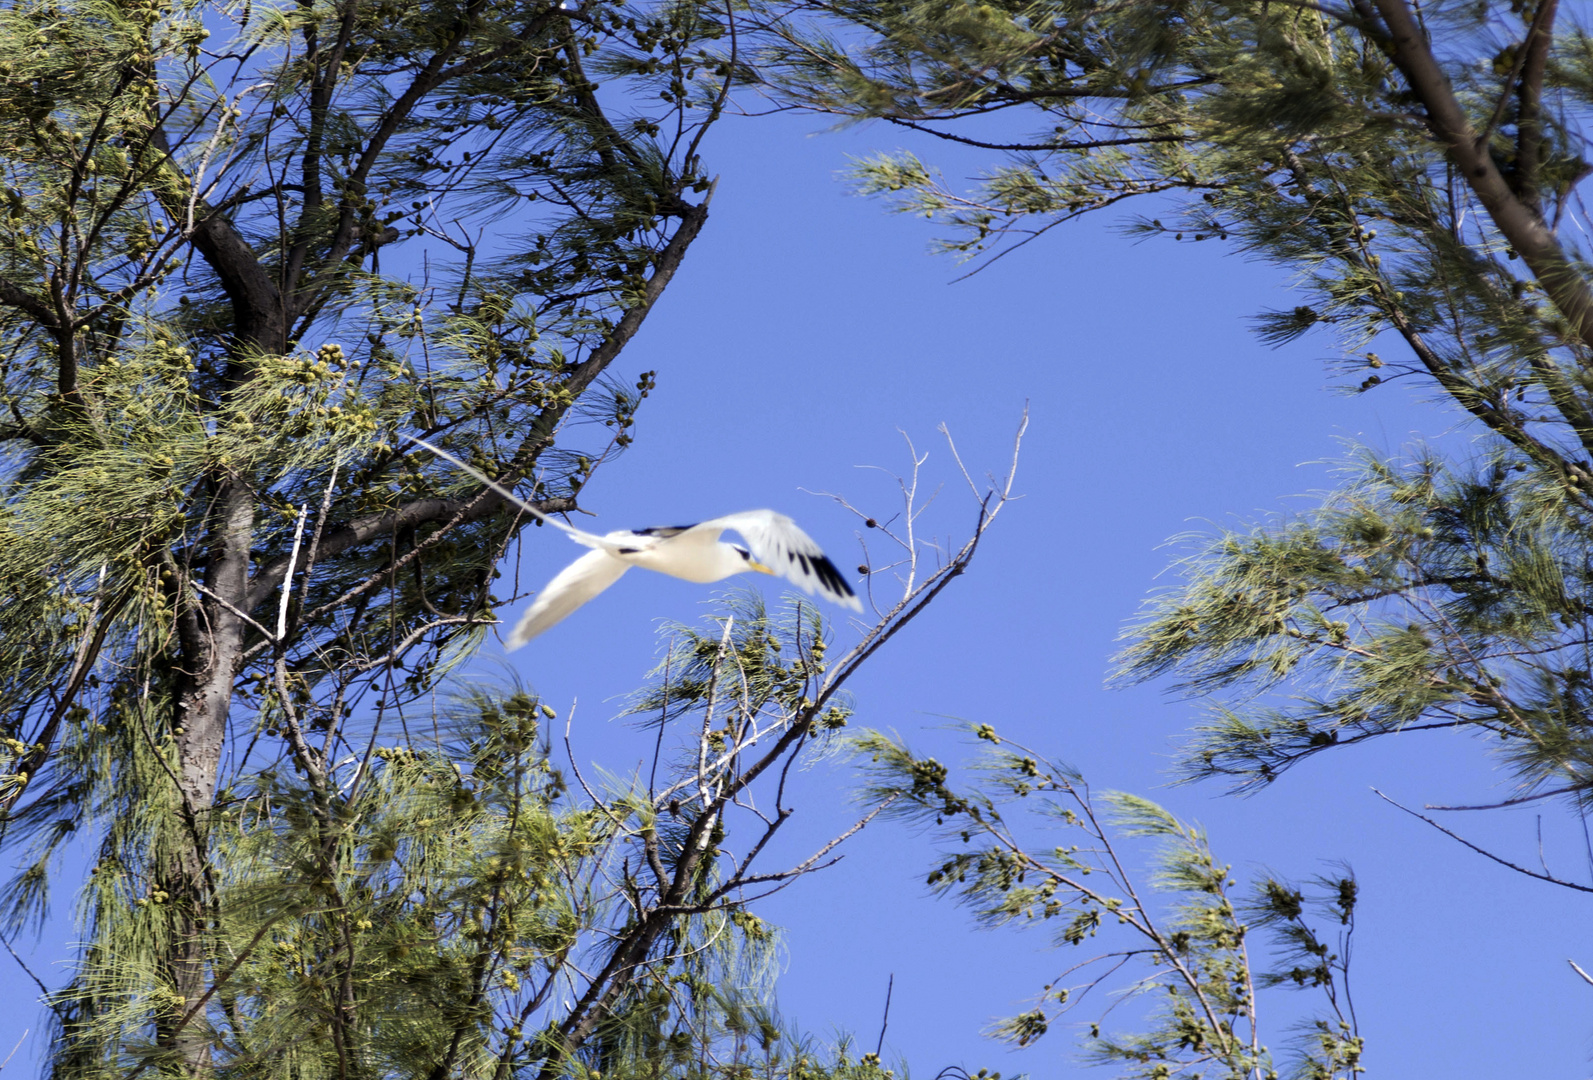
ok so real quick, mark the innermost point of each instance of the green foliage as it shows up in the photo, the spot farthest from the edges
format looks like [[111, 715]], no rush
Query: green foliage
[[194, 307], [377, 927], [244, 250], [1416, 168], [231, 589], [1416, 597], [771, 663], [432, 906], [424, 893], [1182, 966], [428, 916]]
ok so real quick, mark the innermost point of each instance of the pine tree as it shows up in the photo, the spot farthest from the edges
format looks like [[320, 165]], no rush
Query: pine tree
[[246, 249], [1181, 961], [1416, 167]]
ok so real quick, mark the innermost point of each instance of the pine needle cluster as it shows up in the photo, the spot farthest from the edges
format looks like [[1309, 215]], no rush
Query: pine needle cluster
[[1418, 597], [1416, 168], [245, 250], [1178, 963], [389, 881]]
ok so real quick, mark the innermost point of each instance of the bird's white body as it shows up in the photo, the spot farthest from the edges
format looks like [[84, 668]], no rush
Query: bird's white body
[[692, 554], [775, 545]]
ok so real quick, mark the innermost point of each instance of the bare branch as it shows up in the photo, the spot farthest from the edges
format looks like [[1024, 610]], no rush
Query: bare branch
[[1485, 853]]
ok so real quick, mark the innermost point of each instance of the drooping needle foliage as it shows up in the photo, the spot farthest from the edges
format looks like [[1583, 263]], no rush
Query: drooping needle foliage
[[233, 587], [1417, 169], [245, 249], [1174, 960]]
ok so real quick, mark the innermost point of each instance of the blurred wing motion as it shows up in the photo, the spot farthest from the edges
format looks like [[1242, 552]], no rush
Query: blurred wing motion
[[570, 588], [780, 545]]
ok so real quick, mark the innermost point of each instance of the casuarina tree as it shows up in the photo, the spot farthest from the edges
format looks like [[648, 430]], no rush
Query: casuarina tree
[[245, 250], [1417, 169]]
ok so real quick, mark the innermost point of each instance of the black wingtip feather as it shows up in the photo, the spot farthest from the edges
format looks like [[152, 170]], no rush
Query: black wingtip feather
[[830, 576]]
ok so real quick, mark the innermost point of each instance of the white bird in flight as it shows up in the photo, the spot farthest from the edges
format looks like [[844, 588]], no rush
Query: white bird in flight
[[775, 545]]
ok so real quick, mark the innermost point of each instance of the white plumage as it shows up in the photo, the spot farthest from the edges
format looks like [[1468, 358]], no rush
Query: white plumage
[[775, 545]]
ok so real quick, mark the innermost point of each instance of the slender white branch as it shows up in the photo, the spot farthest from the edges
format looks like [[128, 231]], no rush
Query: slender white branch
[[287, 576]]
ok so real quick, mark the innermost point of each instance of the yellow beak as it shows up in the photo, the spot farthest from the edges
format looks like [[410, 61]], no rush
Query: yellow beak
[[754, 564]]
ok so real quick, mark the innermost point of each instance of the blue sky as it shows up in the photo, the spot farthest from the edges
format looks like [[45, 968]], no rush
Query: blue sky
[[806, 330]]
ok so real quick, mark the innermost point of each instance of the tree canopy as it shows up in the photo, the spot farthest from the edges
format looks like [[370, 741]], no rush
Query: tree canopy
[[1417, 170], [246, 249]]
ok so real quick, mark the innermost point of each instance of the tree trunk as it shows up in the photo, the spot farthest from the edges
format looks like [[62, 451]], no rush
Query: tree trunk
[[209, 653]]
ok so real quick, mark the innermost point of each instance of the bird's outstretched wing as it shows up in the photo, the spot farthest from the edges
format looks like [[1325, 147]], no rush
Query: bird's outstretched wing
[[570, 588], [777, 542]]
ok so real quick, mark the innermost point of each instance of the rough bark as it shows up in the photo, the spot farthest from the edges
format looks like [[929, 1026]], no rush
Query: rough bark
[[210, 649], [202, 703], [1517, 221]]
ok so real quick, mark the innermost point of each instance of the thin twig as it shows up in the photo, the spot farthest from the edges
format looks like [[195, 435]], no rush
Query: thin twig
[[708, 716], [1483, 851], [320, 521], [886, 1019], [25, 1032], [235, 610], [1509, 802], [45, 990]]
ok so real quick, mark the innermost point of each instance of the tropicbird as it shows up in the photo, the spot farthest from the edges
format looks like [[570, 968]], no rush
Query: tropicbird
[[775, 545]]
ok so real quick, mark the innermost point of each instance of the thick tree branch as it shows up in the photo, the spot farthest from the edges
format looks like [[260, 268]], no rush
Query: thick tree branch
[[15, 296], [206, 697], [692, 219], [1529, 98], [255, 299], [1520, 224], [328, 71]]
